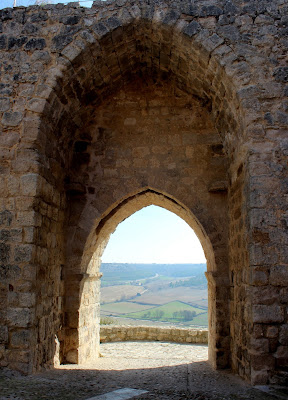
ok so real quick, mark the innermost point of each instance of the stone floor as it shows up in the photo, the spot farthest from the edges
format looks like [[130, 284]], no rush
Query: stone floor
[[166, 371]]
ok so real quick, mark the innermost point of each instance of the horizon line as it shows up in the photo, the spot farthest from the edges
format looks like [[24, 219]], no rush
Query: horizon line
[[166, 263]]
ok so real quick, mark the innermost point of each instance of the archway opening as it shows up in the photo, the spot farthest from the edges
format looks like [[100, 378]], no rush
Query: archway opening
[[82, 333], [162, 127], [153, 273]]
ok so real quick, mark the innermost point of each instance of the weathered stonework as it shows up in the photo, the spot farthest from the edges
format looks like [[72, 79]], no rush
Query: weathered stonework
[[116, 333], [106, 110]]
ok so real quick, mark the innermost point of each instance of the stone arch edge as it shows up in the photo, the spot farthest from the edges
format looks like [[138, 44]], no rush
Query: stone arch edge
[[138, 200], [90, 282]]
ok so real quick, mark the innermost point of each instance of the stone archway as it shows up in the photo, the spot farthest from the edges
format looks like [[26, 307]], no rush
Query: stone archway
[[150, 133], [218, 283], [69, 63]]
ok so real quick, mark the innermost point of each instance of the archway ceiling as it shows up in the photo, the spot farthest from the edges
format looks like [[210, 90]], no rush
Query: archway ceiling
[[95, 69]]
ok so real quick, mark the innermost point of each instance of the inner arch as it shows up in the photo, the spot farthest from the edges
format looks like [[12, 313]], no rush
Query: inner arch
[[88, 330], [108, 223]]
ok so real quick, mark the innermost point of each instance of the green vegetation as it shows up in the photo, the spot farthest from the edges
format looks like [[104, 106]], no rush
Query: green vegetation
[[106, 321], [201, 319], [159, 293], [124, 307], [174, 311]]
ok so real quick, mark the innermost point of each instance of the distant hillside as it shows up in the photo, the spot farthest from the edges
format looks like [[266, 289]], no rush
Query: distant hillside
[[159, 293], [119, 271]]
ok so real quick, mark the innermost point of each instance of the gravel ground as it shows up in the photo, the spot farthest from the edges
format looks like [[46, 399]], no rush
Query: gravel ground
[[168, 371]]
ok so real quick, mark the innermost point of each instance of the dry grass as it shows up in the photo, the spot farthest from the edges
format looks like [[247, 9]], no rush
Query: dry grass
[[185, 294], [119, 293]]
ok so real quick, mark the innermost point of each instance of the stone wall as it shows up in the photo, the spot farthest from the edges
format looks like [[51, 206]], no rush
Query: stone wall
[[105, 110], [113, 333]]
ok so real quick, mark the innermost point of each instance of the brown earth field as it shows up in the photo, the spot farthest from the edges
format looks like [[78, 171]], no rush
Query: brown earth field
[[185, 294], [120, 292], [194, 296]]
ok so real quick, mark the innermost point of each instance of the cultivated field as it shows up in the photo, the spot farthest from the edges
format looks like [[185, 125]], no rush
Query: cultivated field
[[185, 294], [155, 294], [111, 294], [124, 307], [167, 312]]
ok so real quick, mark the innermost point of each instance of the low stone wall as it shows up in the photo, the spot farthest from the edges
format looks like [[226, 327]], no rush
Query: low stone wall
[[113, 333]]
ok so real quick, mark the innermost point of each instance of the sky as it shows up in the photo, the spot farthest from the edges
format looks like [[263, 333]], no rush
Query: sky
[[9, 3], [154, 235]]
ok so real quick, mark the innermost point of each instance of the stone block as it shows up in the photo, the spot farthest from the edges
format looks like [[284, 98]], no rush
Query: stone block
[[6, 218], [3, 334], [35, 44], [15, 235], [281, 356], [4, 235], [4, 104], [29, 234], [264, 295], [259, 276], [20, 317], [281, 74], [267, 314], [20, 339], [279, 275], [70, 19], [272, 332], [30, 184], [12, 298], [284, 295], [5, 253], [3, 42], [12, 118], [192, 28], [23, 253], [41, 329], [28, 218], [23, 367], [9, 139], [72, 356], [283, 335], [10, 272], [27, 300], [36, 105], [19, 356], [59, 42], [260, 345], [259, 377], [100, 30], [171, 17], [262, 362], [71, 52]]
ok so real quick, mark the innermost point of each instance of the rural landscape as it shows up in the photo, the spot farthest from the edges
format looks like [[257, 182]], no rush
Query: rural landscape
[[154, 294]]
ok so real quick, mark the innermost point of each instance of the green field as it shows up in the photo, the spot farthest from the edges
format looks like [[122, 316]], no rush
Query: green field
[[201, 320], [172, 311], [154, 294], [124, 307]]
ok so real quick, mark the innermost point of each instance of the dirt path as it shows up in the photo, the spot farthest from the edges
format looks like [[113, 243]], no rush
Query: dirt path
[[167, 371]]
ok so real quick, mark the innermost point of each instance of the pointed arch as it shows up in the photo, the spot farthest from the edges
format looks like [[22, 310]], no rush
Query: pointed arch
[[86, 334]]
